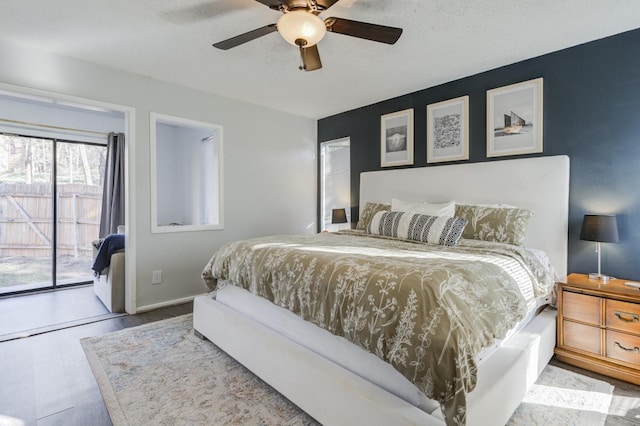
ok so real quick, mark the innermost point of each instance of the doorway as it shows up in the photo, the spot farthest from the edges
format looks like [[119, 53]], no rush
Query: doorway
[[335, 181], [52, 165], [50, 201]]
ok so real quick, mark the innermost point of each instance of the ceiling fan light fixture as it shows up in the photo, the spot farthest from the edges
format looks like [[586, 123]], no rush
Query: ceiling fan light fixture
[[299, 24]]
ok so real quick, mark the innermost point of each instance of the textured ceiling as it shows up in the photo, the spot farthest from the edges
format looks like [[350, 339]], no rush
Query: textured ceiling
[[443, 40]]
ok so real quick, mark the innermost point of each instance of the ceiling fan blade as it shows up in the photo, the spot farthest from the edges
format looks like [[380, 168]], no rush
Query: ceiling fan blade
[[310, 58], [243, 38], [373, 32], [326, 4]]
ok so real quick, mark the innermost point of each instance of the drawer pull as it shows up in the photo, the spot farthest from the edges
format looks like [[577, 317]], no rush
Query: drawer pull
[[626, 316], [635, 349]]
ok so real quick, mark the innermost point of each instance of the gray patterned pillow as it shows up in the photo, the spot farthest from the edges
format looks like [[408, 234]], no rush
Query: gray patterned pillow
[[499, 224], [369, 210], [442, 230]]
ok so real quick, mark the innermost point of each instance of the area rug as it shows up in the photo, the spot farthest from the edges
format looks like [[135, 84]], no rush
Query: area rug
[[562, 397], [162, 374]]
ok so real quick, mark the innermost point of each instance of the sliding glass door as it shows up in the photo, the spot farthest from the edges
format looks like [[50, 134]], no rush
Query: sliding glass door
[[79, 178], [26, 211], [50, 200]]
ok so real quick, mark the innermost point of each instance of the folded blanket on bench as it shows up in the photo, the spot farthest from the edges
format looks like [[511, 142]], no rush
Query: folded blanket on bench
[[109, 245]]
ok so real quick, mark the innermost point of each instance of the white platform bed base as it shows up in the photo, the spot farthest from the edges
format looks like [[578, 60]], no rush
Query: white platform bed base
[[335, 396]]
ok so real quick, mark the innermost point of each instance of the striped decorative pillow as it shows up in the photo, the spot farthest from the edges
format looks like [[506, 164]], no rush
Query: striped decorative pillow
[[441, 230]]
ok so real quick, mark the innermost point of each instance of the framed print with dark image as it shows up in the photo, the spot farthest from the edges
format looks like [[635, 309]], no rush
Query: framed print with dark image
[[448, 130], [514, 119], [396, 138]]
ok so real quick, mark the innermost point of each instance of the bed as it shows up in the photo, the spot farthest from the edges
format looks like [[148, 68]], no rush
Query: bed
[[325, 370]]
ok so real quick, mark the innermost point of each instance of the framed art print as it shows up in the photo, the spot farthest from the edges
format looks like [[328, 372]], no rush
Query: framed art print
[[514, 119], [448, 130], [396, 138]]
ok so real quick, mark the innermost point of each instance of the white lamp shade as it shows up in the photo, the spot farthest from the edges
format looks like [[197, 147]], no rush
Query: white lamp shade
[[301, 25]]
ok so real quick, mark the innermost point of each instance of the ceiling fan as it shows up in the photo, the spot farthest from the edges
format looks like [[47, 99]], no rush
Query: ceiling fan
[[300, 26]]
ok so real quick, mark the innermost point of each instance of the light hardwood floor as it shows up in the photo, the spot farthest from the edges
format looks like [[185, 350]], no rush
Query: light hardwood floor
[[46, 380]]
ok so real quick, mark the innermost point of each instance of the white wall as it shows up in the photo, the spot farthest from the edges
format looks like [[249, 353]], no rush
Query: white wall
[[269, 165]]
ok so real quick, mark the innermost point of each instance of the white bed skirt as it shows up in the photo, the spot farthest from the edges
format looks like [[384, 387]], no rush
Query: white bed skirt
[[335, 396]]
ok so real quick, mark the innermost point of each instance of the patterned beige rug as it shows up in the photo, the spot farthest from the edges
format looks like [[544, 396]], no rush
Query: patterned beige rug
[[161, 374], [562, 397]]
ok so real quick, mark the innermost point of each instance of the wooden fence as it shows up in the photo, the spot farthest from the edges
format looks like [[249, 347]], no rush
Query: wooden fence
[[26, 219]]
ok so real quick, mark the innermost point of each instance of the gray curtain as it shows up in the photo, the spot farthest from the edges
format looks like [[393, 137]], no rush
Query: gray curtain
[[113, 192]]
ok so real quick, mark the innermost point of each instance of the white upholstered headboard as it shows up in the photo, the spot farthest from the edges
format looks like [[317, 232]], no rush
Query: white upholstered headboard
[[540, 184]]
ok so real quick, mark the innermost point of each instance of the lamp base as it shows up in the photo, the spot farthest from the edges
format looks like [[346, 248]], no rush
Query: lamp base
[[599, 277]]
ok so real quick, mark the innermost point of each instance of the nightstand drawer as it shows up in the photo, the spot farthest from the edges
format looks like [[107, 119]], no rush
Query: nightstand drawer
[[623, 347], [623, 316], [581, 336], [581, 307]]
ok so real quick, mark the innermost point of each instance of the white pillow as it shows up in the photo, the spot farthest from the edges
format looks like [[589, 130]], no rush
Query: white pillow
[[441, 209], [493, 205]]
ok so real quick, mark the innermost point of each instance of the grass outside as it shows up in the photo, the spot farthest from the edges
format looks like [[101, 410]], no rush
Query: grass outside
[[19, 270]]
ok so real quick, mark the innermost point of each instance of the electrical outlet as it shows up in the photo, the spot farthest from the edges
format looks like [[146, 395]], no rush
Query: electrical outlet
[[156, 277]]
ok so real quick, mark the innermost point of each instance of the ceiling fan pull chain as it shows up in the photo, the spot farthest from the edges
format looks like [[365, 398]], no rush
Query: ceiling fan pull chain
[[301, 43]]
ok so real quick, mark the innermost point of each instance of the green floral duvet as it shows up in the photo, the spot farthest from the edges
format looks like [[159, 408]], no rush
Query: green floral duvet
[[428, 310]]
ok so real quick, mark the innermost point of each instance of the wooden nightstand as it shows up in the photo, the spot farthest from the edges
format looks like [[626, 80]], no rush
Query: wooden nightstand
[[599, 326]]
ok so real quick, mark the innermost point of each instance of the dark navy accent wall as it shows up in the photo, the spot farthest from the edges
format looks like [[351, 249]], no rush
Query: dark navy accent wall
[[591, 114]]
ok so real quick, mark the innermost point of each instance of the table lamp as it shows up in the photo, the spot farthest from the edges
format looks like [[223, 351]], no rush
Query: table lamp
[[601, 229], [338, 216]]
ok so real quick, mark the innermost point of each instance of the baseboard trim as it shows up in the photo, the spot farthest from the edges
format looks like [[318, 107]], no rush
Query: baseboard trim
[[154, 306]]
